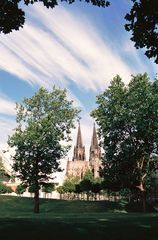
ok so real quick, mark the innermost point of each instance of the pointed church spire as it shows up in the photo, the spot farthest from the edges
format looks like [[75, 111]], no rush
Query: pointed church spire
[[79, 149], [95, 154], [79, 138], [95, 150], [94, 142]]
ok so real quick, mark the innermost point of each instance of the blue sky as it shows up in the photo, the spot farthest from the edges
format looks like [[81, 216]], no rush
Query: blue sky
[[79, 47]]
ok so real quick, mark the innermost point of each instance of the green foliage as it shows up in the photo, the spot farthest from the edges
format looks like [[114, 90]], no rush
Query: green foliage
[[69, 184], [43, 122], [127, 118], [88, 175], [12, 17], [75, 185], [60, 189], [32, 188], [143, 22], [48, 187], [96, 187], [78, 188], [124, 192], [5, 189], [21, 188], [85, 185], [87, 181]]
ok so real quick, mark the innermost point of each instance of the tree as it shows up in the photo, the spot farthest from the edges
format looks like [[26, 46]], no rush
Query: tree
[[12, 17], [69, 185], [78, 190], [48, 188], [96, 188], [43, 121], [86, 183], [143, 22], [60, 190], [127, 118]]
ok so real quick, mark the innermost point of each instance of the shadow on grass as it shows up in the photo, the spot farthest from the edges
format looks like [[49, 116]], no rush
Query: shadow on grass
[[73, 220], [96, 227]]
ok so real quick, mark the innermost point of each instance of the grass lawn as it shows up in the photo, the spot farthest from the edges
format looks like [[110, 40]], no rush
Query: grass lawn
[[61, 219]]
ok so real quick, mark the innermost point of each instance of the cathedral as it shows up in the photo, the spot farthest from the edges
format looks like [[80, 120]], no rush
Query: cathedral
[[79, 164]]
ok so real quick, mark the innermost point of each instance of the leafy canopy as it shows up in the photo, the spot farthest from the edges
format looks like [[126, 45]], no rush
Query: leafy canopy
[[69, 184], [127, 118], [143, 22], [43, 121]]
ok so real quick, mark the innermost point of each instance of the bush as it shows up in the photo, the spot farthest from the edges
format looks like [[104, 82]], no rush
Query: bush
[[21, 188], [48, 187], [5, 189]]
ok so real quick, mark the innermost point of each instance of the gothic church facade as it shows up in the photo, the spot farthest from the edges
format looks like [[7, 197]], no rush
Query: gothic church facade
[[79, 164]]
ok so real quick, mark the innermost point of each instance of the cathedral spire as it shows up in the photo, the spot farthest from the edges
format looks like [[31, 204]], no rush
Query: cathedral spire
[[94, 142], [94, 148], [79, 138], [95, 154], [79, 149]]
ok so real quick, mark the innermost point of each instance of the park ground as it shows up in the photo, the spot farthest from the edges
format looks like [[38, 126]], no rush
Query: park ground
[[59, 219]]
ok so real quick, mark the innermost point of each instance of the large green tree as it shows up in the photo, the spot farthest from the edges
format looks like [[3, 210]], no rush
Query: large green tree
[[44, 121], [127, 118], [142, 20]]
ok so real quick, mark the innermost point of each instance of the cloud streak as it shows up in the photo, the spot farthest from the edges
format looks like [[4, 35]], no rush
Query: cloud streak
[[7, 106], [6, 126], [59, 50]]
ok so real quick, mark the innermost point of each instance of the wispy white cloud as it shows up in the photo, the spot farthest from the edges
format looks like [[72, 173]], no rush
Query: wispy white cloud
[[137, 65], [7, 106], [64, 50], [6, 126]]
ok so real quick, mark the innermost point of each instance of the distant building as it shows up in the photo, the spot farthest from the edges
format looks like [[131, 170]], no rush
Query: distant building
[[78, 165]]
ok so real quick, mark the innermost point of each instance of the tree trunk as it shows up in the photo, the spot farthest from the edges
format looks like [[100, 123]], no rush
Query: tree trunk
[[88, 196], [143, 194], [144, 200], [36, 198]]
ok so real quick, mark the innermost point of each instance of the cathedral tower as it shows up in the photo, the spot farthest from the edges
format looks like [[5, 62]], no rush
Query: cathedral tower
[[95, 154], [78, 166], [79, 149]]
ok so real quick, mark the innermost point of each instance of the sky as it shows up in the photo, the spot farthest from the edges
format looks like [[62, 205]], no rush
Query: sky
[[79, 47]]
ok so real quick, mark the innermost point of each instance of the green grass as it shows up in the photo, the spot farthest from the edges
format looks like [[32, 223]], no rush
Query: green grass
[[59, 219]]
